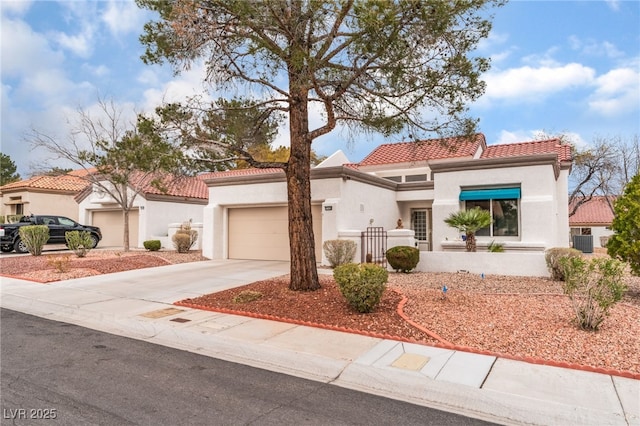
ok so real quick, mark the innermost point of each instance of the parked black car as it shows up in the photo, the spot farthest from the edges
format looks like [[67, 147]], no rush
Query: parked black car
[[58, 227]]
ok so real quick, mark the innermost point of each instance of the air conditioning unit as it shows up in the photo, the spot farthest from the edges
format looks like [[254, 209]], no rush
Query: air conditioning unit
[[584, 243]]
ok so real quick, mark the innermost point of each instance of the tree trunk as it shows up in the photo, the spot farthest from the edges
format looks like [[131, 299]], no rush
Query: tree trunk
[[471, 241], [304, 272], [125, 237]]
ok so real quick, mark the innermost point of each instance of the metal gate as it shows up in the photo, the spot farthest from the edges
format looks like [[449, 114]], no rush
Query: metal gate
[[374, 246]]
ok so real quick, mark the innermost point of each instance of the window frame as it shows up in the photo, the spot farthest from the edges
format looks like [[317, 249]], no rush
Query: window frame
[[471, 197]]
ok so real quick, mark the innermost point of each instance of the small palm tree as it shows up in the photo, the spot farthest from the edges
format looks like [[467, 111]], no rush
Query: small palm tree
[[469, 222]]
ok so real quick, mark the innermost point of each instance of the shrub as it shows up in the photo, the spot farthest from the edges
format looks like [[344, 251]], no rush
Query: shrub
[[403, 258], [152, 245], [79, 242], [184, 238], [61, 264], [247, 296], [593, 286], [34, 237], [361, 285], [339, 252], [494, 247], [552, 257], [624, 244]]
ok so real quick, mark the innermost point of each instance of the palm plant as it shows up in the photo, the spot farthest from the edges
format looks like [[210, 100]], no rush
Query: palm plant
[[469, 222]]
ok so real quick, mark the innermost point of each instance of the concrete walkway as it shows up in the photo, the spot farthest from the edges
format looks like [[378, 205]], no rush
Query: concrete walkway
[[138, 304]]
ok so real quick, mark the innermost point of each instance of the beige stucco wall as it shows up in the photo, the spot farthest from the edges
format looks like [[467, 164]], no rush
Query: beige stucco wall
[[353, 206], [61, 204], [154, 216], [350, 204]]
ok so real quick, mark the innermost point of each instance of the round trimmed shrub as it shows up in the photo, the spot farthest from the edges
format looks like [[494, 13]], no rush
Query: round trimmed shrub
[[403, 258], [361, 285], [152, 245]]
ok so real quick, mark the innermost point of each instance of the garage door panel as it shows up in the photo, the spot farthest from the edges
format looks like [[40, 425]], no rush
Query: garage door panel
[[112, 227], [263, 233]]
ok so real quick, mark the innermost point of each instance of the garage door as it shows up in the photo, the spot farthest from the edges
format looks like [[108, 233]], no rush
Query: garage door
[[112, 227], [263, 233]]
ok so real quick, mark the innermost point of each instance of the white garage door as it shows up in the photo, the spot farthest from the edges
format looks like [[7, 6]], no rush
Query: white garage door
[[263, 233], [112, 227]]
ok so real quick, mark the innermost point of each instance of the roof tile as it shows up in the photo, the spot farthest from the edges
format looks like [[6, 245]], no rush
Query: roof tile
[[53, 183], [239, 172], [550, 146], [595, 212], [430, 149]]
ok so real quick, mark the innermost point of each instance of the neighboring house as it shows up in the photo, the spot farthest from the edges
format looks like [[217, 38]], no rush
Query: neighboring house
[[594, 218], [524, 185], [43, 195], [155, 214]]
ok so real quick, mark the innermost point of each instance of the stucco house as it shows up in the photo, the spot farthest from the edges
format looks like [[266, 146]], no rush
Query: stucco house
[[43, 195], [524, 185], [155, 215], [593, 218]]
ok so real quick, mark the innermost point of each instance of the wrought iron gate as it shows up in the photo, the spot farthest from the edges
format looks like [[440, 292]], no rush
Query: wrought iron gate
[[374, 246]]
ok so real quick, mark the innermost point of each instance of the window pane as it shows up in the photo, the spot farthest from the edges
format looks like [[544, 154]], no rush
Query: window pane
[[394, 178], [415, 178], [505, 218], [419, 224], [484, 205]]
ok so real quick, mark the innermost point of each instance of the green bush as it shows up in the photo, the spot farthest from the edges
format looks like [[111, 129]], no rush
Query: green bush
[[403, 258], [494, 247], [184, 238], [361, 285], [79, 242], [34, 237], [593, 286], [339, 252], [624, 244], [152, 245], [553, 255]]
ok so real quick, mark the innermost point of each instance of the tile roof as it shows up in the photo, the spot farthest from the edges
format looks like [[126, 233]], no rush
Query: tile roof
[[594, 212], [550, 146], [190, 187], [67, 183], [180, 186], [430, 149], [239, 172]]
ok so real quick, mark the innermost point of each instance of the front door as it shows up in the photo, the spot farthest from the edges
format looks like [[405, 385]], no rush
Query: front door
[[421, 225]]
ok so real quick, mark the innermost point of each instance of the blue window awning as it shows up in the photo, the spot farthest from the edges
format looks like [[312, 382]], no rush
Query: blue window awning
[[490, 194]]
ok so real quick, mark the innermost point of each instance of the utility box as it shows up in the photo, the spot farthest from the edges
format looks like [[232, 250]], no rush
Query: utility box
[[584, 243]]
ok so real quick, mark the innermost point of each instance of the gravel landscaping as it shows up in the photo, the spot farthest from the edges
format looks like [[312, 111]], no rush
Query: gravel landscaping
[[518, 317]]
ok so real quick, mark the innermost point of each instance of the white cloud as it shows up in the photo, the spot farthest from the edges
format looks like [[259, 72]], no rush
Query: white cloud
[[542, 60], [613, 4], [495, 39], [175, 89], [80, 44], [528, 83], [514, 136], [18, 7], [26, 49], [594, 48], [98, 71], [122, 17], [617, 92]]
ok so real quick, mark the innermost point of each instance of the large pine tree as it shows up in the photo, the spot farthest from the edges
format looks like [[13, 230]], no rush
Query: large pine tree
[[403, 68]]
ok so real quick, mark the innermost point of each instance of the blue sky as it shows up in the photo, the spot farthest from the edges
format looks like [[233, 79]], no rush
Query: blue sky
[[571, 67]]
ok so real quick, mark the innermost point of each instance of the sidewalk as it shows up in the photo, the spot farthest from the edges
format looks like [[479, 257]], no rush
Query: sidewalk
[[138, 304]]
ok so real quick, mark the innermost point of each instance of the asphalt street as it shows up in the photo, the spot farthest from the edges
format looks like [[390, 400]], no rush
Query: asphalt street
[[58, 373]]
